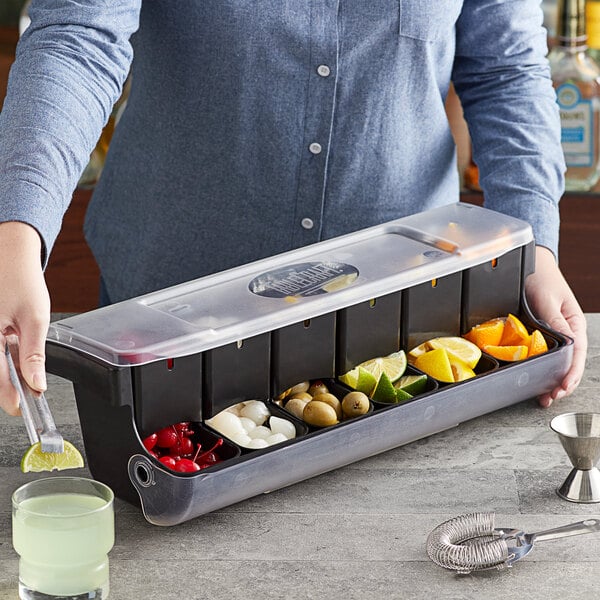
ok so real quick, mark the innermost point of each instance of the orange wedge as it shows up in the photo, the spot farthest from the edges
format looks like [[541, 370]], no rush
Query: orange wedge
[[515, 333], [509, 353], [537, 343], [486, 334]]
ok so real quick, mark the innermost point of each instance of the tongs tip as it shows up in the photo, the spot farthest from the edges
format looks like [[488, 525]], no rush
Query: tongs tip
[[52, 443]]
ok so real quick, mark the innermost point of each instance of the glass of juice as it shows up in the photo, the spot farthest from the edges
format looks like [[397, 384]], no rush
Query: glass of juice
[[63, 529]]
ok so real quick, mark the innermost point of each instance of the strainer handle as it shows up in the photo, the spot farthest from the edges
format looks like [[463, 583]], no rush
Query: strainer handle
[[587, 526]]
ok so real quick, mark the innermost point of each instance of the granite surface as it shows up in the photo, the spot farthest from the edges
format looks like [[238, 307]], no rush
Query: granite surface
[[359, 531]]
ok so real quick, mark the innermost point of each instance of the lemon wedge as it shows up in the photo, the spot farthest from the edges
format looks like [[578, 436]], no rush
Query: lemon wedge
[[437, 364], [458, 348]]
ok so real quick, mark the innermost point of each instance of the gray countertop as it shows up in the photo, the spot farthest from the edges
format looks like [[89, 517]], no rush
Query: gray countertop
[[359, 531]]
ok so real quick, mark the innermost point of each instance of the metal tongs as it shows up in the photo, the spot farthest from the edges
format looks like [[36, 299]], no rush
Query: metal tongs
[[34, 408]]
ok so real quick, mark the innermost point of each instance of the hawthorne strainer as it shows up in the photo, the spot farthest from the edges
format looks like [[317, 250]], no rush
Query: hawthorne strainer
[[471, 542]]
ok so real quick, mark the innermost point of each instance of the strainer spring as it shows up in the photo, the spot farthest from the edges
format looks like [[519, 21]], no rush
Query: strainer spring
[[471, 542]]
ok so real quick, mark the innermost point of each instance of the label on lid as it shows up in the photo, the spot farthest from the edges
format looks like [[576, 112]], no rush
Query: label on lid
[[304, 279]]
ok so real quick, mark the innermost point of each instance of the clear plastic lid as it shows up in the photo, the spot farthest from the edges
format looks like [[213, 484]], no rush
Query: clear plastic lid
[[291, 287]]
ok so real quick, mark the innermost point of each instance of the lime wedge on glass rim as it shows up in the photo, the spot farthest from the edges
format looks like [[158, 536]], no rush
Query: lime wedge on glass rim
[[36, 461]]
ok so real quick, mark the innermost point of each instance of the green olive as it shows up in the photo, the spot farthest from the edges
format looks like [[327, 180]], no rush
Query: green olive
[[295, 406], [319, 414], [295, 389], [300, 395], [317, 387], [300, 387], [332, 401], [355, 404]]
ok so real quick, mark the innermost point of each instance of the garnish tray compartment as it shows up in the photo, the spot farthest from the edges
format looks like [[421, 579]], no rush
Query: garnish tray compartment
[[186, 352]]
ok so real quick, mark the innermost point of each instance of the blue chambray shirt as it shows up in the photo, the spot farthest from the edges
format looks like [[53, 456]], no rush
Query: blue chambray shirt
[[257, 126]]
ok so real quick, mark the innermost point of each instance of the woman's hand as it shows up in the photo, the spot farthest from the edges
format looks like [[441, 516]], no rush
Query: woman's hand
[[24, 309], [552, 301]]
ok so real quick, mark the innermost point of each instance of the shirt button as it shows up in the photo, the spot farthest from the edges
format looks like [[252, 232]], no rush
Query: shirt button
[[323, 70], [307, 223], [315, 148]]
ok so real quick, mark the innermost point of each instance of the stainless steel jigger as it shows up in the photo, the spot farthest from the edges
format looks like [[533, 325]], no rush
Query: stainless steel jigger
[[579, 434]]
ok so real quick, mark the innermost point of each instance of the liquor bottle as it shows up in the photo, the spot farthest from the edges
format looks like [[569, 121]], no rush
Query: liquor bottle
[[576, 79], [592, 23]]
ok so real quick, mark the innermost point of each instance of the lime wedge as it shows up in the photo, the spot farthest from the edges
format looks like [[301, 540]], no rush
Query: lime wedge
[[393, 365], [359, 379], [412, 384], [35, 461], [350, 378], [366, 381], [385, 390], [402, 395]]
